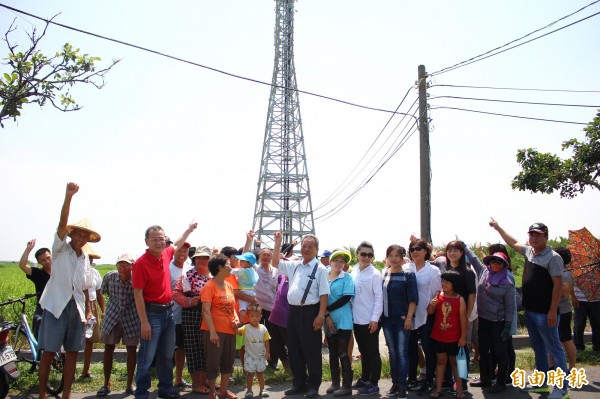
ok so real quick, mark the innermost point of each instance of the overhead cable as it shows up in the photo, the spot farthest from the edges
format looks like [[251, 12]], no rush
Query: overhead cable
[[493, 52], [515, 88], [508, 115], [516, 102], [233, 75]]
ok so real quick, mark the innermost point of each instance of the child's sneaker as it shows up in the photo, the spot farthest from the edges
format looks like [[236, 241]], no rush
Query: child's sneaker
[[249, 394], [263, 393]]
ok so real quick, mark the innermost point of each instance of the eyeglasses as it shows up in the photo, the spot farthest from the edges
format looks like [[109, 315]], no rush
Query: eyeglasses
[[497, 262], [416, 249], [367, 254]]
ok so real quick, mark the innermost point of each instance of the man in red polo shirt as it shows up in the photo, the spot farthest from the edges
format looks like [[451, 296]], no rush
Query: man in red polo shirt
[[152, 292]]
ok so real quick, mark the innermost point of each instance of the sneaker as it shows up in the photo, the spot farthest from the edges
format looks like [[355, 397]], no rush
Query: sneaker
[[535, 389], [425, 389], [249, 394], [413, 385], [393, 390], [359, 384], [368, 389], [402, 393], [263, 393], [558, 393]]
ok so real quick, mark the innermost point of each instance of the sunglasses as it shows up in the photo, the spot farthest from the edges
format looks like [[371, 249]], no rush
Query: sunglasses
[[367, 254], [416, 249], [497, 262]]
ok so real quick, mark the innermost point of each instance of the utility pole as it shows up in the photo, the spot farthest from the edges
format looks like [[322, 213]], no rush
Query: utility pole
[[425, 156]]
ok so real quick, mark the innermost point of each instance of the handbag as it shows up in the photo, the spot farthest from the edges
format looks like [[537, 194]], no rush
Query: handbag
[[461, 363]]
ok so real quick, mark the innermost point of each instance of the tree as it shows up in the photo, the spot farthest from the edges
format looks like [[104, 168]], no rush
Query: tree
[[545, 172], [33, 77]]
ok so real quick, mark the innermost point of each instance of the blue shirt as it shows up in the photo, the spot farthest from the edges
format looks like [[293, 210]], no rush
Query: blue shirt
[[399, 289], [343, 285]]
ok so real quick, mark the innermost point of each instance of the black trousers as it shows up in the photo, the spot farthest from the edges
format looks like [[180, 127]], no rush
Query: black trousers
[[304, 346], [277, 343], [423, 333], [370, 359], [490, 341]]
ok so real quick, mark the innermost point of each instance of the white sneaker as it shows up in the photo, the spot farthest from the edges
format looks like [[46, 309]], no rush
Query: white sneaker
[[558, 393]]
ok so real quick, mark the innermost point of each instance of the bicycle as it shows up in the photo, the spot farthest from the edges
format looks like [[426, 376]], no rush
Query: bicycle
[[26, 350]]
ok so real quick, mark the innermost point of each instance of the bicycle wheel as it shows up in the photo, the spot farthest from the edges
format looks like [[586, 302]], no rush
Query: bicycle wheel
[[20, 344], [56, 379]]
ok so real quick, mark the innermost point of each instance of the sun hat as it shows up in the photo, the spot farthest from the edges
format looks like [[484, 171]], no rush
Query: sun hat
[[341, 252], [248, 257], [498, 255], [125, 258], [85, 225], [538, 228], [202, 250], [87, 248]]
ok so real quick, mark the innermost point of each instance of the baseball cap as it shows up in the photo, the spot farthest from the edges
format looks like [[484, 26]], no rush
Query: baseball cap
[[326, 254], [202, 250], [125, 258], [248, 257], [168, 240], [538, 228]]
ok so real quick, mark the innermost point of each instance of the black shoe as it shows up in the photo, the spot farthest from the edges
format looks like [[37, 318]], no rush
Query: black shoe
[[393, 390], [402, 393], [425, 389], [413, 386], [168, 395], [359, 384], [274, 365], [497, 388], [312, 393], [481, 383], [295, 391]]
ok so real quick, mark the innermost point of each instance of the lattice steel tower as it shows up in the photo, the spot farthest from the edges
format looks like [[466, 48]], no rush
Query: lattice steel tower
[[283, 194]]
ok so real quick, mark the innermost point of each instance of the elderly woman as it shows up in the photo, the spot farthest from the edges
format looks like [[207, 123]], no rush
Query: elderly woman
[[496, 307], [219, 323], [187, 294], [338, 321]]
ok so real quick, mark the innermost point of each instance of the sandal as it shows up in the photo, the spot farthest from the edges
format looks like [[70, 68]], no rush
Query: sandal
[[227, 395], [103, 391], [203, 390], [436, 394]]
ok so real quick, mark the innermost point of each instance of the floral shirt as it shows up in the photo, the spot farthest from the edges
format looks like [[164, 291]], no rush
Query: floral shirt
[[188, 286]]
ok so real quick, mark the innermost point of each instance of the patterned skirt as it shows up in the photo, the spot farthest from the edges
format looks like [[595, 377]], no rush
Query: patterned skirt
[[191, 319]]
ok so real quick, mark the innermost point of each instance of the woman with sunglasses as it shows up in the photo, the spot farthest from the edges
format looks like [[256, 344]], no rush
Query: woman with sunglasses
[[367, 307], [496, 308], [428, 285]]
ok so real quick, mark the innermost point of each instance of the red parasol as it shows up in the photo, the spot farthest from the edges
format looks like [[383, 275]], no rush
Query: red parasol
[[585, 265]]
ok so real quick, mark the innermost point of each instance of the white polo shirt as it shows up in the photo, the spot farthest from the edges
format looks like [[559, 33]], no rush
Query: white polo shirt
[[70, 276]]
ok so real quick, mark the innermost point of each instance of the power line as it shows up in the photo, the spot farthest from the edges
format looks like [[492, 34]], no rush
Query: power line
[[488, 54], [508, 115], [230, 74], [516, 88], [516, 102]]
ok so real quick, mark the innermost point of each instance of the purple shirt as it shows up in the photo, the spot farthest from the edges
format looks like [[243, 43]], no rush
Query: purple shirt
[[279, 313]]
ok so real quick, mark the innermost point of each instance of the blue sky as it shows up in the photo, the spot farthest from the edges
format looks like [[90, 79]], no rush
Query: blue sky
[[166, 142]]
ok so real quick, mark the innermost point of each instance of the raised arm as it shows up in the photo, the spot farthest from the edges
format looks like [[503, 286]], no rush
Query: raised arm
[[72, 189], [249, 239], [474, 260], [510, 240], [23, 262], [181, 240], [277, 248]]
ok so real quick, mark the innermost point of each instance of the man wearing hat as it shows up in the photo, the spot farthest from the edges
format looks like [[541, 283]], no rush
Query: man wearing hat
[[153, 300], [325, 257], [65, 300], [542, 284]]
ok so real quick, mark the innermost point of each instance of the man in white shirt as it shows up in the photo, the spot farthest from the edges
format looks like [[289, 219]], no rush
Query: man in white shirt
[[307, 296], [65, 300], [367, 306]]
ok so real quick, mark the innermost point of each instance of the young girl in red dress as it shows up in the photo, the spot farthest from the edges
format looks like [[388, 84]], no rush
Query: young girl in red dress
[[449, 329]]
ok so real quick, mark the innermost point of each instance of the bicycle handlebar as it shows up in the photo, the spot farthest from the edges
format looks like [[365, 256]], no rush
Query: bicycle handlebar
[[21, 300]]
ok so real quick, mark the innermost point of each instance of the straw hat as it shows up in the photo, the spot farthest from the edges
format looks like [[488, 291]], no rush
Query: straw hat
[[85, 225], [87, 248]]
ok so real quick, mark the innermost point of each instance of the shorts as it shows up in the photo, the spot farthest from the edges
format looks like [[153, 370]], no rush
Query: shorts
[[178, 336], [118, 335], [66, 331], [564, 327], [243, 305], [451, 348], [255, 365], [96, 333]]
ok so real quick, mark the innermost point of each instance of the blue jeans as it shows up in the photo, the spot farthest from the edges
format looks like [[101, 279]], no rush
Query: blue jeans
[[161, 344], [396, 338], [544, 340]]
